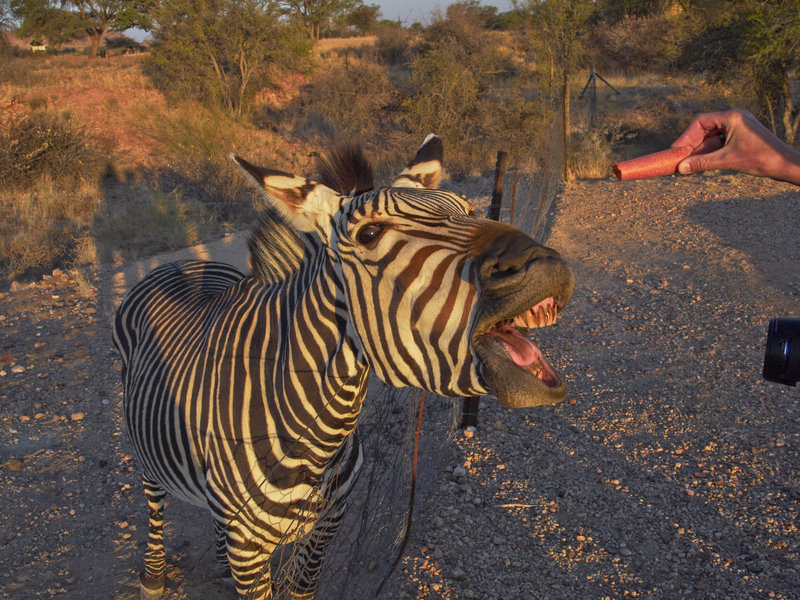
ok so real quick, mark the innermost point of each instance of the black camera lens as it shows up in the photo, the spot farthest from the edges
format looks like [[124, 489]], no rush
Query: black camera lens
[[782, 357]]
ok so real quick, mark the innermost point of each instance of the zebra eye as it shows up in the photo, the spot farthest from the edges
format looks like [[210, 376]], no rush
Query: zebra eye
[[369, 233]]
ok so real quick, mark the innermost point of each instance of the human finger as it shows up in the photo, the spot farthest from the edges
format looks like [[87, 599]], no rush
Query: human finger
[[706, 125]]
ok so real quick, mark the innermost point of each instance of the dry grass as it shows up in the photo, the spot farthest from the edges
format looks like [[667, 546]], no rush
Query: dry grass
[[37, 228], [328, 44], [168, 181], [105, 96], [113, 171], [651, 110], [146, 222]]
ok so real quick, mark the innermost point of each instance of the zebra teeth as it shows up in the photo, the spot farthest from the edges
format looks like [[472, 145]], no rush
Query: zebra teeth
[[542, 314]]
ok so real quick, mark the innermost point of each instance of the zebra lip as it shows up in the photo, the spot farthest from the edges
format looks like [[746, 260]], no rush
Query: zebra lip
[[514, 367]]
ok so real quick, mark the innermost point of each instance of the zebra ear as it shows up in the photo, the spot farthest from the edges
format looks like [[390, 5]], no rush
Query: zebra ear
[[425, 170], [304, 203]]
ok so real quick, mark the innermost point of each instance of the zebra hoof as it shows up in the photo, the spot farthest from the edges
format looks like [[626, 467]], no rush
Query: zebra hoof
[[151, 589], [148, 594]]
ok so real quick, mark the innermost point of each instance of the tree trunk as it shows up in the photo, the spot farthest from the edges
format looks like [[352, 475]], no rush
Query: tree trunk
[[791, 117], [771, 110], [94, 38], [565, 126]]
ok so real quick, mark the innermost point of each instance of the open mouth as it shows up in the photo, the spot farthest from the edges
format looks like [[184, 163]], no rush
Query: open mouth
[[511, 333], [514, 366]]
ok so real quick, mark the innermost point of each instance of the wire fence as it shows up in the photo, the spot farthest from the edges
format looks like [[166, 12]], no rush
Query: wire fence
[[363, 553], [532, 183]]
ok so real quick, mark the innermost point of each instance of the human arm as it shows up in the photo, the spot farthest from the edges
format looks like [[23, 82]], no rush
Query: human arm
[[735, 139]]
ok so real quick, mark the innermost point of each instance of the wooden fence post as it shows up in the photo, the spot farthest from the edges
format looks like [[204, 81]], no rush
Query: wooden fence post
[[469, 409]]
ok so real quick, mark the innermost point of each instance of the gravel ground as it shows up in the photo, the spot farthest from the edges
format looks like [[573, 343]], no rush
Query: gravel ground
[[670, 471]]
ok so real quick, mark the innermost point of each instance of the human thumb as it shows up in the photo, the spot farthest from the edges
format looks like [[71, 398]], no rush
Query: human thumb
[[685, 167], [697, 163]]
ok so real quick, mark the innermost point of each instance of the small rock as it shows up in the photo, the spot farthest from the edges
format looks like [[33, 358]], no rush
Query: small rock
[[458, 574], [498, 540], [14, 465], [438, 522], [459, 472], [17, 369], [77, 416]]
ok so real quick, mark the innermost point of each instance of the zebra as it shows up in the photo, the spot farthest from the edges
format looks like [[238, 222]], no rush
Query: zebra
[[241, 393]]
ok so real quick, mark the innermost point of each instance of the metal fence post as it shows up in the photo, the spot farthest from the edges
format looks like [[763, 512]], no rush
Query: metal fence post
[[469, 410]]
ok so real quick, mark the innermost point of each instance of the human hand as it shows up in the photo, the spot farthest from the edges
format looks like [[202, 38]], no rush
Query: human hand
[[737, 140]]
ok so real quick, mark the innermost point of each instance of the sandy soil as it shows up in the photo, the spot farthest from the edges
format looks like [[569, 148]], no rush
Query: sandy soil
[[671, 470]]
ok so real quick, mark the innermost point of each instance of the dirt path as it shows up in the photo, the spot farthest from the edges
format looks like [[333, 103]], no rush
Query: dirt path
[[672, 470]]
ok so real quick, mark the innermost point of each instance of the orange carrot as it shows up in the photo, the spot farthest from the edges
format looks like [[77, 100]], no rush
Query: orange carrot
[[651, 165]]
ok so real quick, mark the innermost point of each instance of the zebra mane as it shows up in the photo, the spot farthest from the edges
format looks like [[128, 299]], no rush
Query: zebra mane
[[345, 170], [276, 248]]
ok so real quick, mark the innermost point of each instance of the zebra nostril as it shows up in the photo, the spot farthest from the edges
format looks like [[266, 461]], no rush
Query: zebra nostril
[[504, 261]]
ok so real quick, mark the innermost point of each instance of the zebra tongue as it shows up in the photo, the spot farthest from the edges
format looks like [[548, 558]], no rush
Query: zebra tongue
[[519, 348]]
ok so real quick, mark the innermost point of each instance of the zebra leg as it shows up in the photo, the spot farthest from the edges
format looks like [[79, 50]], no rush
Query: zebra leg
[[152, 580], [222, 554], [249, 564], [304, 572], [338, 480]]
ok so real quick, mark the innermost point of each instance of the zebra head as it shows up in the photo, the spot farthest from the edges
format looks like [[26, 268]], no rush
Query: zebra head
[[436, 297]]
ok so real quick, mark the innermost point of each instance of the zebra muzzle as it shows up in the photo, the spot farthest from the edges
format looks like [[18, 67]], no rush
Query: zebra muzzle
[[513, 367]]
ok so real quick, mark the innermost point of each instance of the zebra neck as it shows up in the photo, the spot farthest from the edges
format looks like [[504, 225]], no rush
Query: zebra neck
[[301, 336]]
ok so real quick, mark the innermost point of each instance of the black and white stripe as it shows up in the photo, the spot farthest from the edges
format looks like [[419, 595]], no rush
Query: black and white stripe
[[242, 392]]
